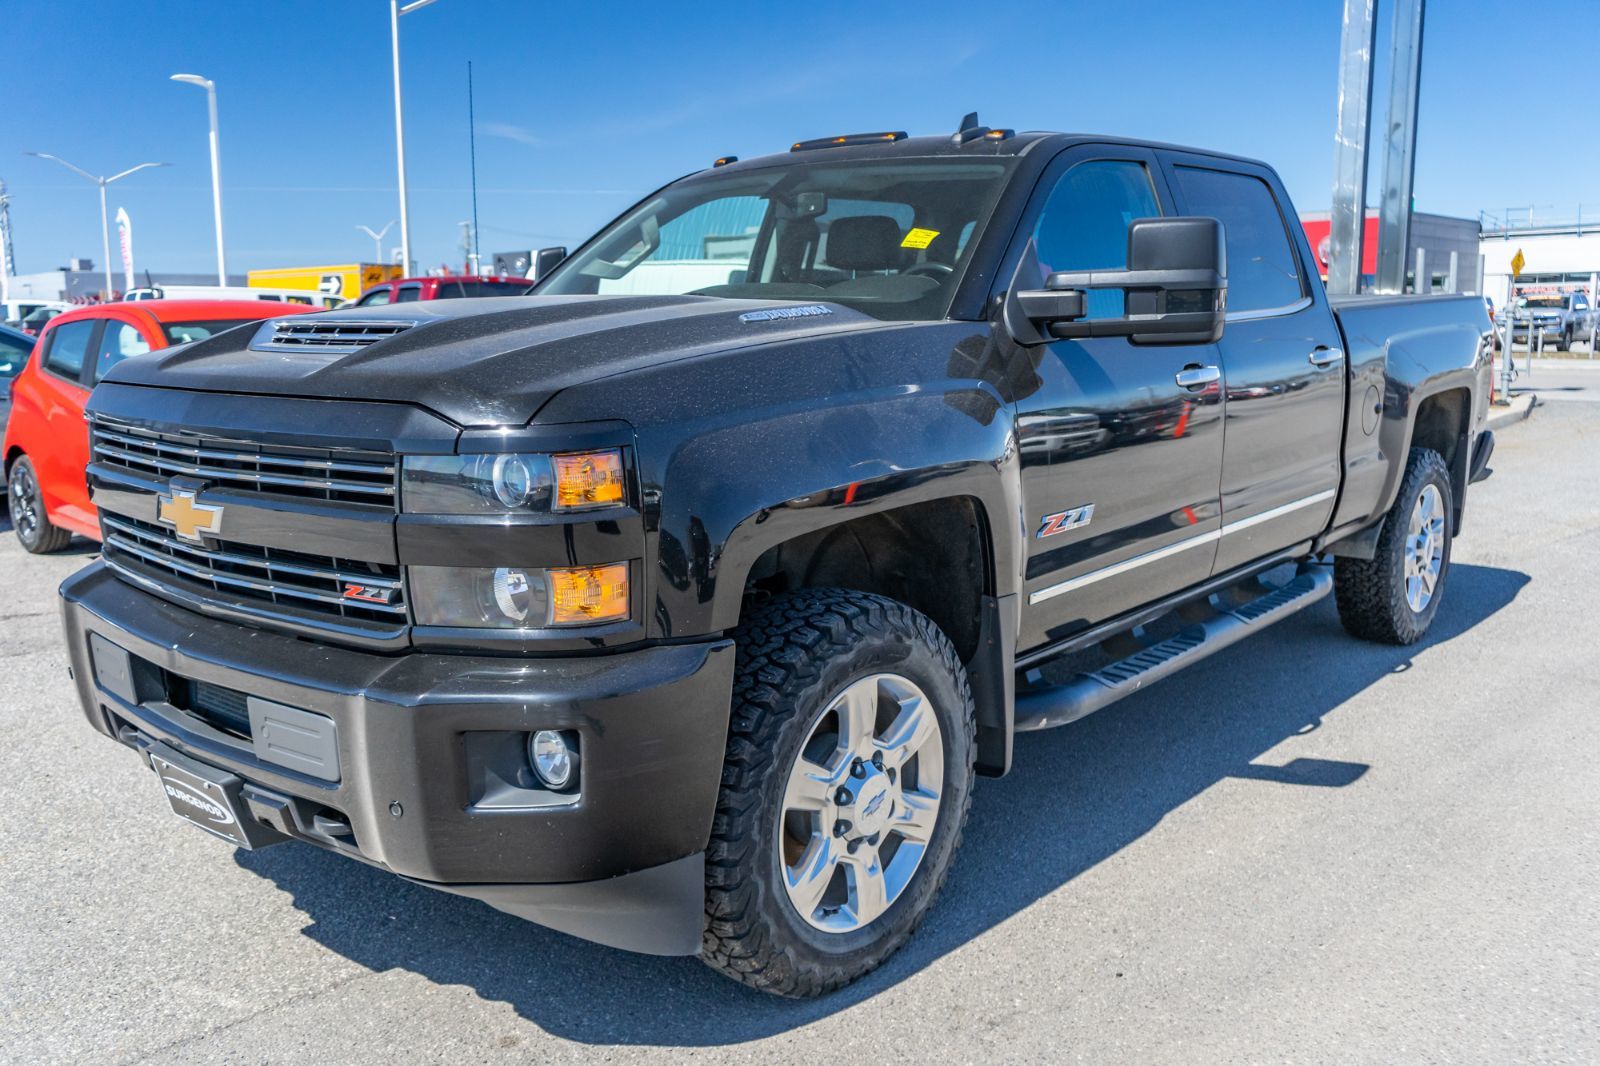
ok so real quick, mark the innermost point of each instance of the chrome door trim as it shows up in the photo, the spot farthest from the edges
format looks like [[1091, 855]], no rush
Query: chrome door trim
[[1115, 569]]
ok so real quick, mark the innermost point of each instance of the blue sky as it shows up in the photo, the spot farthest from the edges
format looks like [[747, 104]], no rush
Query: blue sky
[[583, 107]]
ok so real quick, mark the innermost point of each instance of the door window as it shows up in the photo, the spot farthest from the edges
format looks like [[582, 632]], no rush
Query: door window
[[375, 297], [1263, 271], [408, 293], [118, 342], [1084, 224], [69, 348]]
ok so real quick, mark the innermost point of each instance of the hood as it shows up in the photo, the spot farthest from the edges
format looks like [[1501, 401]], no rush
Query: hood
[[491, 361]]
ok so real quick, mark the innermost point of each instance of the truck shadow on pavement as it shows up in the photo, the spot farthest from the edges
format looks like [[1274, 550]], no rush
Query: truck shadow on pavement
[[1076, 796]]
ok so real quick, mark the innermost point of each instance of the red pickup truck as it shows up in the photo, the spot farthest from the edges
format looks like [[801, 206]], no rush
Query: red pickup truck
[[450, 287]]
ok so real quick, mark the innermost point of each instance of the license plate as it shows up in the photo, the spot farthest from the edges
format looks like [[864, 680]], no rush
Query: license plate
[[203, 796]]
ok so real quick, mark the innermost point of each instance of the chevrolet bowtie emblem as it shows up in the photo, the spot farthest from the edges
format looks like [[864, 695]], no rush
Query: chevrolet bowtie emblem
[[188, 518]]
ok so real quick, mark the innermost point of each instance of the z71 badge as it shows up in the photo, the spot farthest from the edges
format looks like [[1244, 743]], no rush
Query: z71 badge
[[1062, 521]]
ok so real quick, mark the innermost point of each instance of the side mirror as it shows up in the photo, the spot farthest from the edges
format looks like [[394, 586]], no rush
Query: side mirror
[[546, 260], [1175, 290]]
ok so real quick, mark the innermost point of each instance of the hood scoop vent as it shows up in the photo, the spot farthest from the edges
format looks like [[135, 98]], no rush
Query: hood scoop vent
[[333, 338]]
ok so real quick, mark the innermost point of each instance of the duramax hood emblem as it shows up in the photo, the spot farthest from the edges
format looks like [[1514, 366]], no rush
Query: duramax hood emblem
[[779, 313], [188, 518]]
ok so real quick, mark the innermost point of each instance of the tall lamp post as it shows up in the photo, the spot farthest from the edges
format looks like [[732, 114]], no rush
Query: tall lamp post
[[105, 226], [216, 165], [377, 239], [396, 9]]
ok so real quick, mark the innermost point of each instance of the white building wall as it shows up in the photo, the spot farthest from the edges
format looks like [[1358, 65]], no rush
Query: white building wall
[[1561, 253]]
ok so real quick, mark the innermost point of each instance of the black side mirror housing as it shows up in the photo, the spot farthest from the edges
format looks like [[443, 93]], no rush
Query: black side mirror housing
[[1175, 290], [546, 260]]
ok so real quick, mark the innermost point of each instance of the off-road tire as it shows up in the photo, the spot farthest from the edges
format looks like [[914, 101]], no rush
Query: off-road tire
[[44, 537], [1371, 593], [795, 654]]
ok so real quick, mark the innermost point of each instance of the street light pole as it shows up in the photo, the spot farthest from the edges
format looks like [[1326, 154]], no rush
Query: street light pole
[[377, 239], [105, 226], [216, 166], [396, 9]]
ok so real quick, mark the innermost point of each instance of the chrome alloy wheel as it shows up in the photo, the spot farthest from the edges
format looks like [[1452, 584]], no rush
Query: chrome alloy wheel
[[1424, 549], [861, 803], [24, 504]]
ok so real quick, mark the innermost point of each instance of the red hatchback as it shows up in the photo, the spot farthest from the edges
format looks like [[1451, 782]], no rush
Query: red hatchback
[[46, 440]]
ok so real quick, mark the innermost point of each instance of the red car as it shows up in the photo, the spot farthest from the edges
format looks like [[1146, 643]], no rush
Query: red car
[[454, 287], [47, 441]]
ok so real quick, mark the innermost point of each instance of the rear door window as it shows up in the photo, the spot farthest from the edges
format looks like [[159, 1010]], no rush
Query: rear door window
[[119, 341], [1263, 271], [408, 293], [69, 348]]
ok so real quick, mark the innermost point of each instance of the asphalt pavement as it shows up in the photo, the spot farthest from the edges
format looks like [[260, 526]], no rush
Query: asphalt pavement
[[1304, 849]]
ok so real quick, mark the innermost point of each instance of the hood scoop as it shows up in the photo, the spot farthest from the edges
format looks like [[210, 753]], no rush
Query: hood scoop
[[334, 338]]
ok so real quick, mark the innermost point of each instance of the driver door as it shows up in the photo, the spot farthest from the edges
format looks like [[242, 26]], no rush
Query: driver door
[[1121, 460]]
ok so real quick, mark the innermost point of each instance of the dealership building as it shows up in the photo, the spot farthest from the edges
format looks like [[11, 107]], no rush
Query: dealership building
[[1562, 257], [1442, 250]]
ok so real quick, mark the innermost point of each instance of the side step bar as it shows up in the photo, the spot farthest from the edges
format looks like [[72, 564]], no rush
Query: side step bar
[[1047, 707]]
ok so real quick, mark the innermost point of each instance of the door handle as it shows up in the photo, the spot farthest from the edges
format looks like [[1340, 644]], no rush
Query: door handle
[[1193, 377], [1320, 357]]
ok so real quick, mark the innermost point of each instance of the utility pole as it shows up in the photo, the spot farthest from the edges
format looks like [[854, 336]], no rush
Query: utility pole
[[8, 261], [105, 224]]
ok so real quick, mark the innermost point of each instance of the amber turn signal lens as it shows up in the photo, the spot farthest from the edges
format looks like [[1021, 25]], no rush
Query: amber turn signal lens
[[585, 595], [588, 479]]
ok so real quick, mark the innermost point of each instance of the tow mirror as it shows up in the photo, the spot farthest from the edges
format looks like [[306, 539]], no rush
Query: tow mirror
[[1175, 289], [546, 260]]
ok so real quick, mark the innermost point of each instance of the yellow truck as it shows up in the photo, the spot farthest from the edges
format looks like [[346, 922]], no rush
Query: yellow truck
[[347, 280]]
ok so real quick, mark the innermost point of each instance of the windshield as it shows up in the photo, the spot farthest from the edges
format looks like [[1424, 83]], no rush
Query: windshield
[[184, 332], [887, 239], [1542, 303]]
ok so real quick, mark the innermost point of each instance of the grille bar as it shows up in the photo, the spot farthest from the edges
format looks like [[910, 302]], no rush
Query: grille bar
[[267, 574], [347, 477]]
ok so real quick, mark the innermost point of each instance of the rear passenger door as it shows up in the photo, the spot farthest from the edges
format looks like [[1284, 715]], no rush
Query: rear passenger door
[[1282, 363]]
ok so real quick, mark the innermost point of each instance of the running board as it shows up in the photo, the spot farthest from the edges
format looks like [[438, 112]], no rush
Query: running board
[[1047, 707]]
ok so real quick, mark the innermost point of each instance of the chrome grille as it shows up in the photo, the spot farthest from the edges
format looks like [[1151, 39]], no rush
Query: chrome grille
[[302, 587], [295, 335], [319, 474]]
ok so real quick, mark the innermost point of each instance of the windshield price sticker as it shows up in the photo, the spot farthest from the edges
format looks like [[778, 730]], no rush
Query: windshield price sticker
[[919, 238]]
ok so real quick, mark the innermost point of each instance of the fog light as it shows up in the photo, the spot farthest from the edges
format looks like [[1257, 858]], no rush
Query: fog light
[[554, 755]]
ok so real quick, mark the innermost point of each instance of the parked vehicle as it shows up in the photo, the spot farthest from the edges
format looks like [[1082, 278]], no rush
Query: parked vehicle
[[46, 442], [1559, 318], [405, 290], [306, 297], [12, 312], [35, 321], [682, 620], [14, 348]]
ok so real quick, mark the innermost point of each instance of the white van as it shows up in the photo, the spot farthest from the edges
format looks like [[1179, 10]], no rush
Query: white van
[[306, 297]]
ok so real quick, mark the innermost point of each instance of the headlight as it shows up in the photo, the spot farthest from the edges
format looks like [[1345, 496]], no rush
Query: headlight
[[511, 482], [513, 597]]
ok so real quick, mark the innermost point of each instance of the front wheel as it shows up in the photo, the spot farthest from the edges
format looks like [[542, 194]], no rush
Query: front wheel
[[1393, 596], [847, 782]]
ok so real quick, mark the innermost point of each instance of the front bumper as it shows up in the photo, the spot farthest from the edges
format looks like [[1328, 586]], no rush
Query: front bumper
[[421, 786]]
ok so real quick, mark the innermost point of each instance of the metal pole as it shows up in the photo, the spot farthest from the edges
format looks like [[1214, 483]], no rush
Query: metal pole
[[400, 139], [105, 237], [1420, 282], [1450, 282], [216, 182], [1347, 222], [1399, 167]]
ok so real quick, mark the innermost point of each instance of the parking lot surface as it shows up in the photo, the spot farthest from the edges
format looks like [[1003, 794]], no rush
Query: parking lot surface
[[1304, 849]]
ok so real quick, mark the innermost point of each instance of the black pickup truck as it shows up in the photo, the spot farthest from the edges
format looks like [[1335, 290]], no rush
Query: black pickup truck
[[677, 605]]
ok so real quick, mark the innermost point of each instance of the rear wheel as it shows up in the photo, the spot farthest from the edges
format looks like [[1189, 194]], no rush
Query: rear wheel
[[1393, 596], [28, 516], [847, 783]]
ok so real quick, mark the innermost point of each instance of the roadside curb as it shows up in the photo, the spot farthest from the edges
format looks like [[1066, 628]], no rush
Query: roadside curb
[[1520, 408]]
